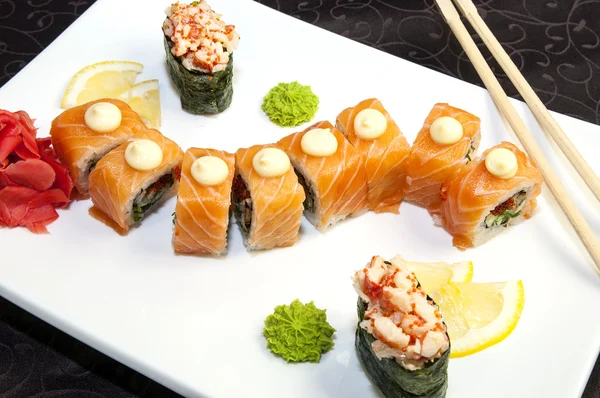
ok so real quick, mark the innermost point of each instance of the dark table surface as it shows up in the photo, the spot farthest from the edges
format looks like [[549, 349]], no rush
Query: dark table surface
[[555, 43]]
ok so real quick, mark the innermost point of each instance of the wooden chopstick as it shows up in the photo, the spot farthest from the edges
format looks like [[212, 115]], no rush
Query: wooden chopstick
[[537, 107], [501, 100]]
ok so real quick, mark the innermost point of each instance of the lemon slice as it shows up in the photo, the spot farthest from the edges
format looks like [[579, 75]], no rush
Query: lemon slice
[[101, 80], [144, 99], [479, 315], [432, 276]]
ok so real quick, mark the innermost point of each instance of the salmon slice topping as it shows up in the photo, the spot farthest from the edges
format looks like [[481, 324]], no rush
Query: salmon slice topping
[[202, 212], [384, 158], [430, 164]]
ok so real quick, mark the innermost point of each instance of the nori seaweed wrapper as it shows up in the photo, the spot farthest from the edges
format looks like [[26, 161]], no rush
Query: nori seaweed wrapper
[[393, 380], [200, 92]]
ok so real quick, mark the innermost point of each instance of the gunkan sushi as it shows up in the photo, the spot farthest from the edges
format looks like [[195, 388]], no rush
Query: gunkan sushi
[[401, 338], [199, 48], [494, 191]]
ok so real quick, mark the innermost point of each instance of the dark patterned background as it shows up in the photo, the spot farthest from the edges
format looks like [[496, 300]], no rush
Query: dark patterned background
[[554, 42]]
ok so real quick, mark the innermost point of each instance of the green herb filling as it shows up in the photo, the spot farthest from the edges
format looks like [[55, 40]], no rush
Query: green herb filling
[[470, 152], [92, 164], [506, 211], [150, 196]]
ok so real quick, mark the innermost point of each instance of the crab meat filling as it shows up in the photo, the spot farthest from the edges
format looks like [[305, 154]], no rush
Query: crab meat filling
[[199, 37], [407, 324]]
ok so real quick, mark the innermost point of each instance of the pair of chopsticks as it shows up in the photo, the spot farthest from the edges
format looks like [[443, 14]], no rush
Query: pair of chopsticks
[[544, 118]]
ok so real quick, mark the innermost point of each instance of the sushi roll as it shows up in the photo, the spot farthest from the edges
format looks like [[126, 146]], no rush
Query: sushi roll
[[199, 48], [82, 135], [401, 338], [447, 141], [267, 197], [136, 177], [383, 148], [497, 190], [331, 171], [203, 202]]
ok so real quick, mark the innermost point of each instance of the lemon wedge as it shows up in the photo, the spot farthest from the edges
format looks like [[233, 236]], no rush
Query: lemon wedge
[[101, 80], [479, 315], [144, 99], [432, 276]]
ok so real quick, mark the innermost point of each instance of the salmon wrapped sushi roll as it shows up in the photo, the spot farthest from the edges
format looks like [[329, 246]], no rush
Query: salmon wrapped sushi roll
[[383, 149], [267, 197], [203, 202], [447, 141], [495, 191], [80, 141], [331, 171], [401, 338], [136, 177]]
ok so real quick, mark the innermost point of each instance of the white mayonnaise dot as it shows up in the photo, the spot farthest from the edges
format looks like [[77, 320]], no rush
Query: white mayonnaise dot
[[209, 170], [143, 154], [370, 124], [103, 117], [271, 162], [319, 143], [502, 163], [446, 130]]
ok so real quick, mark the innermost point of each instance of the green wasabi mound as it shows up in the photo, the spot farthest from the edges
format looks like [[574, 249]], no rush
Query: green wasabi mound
[[290, 104], [298, 332]]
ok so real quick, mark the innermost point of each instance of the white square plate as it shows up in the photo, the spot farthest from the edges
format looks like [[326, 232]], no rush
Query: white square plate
[[194, 324]]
